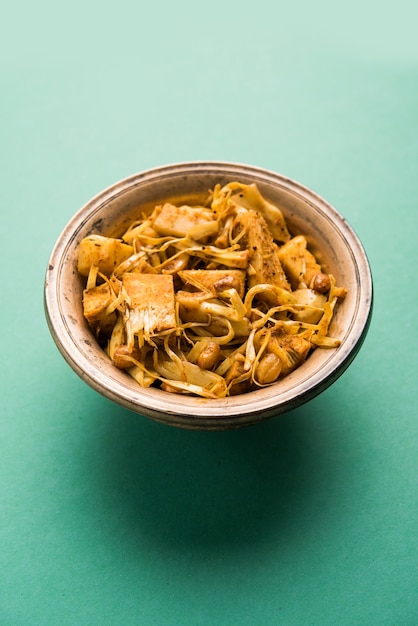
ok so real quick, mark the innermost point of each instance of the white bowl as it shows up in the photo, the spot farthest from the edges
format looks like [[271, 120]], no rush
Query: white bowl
[[328, 234]]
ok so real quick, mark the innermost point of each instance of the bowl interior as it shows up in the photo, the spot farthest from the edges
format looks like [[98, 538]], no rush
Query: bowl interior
[[110, 212]]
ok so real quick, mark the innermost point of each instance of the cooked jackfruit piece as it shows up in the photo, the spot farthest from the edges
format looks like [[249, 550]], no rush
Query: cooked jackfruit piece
[[238, 378], [291, 349], [215, 281], [103, 252], [143, 267], [144, 229], [313, 305], [298, 262], [95, 303], [250, 197], [175, 264], [181, 221], [150, 304], [264, 258], [190, 306]]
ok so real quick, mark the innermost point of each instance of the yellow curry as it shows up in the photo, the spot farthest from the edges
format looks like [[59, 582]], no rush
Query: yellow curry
[[210, 300]]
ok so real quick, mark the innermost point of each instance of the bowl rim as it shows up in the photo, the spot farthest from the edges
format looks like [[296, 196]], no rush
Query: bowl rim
[[191, 411]]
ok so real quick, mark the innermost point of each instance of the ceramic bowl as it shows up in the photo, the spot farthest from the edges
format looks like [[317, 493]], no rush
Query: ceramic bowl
[[328, 233]]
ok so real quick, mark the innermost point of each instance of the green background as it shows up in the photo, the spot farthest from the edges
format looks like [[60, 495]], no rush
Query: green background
[[108, 518]]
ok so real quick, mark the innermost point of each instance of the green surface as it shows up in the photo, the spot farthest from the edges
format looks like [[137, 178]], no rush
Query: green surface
[[108, 518]]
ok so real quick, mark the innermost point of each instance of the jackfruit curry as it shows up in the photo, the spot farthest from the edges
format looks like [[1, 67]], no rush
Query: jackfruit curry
[[211, 300]]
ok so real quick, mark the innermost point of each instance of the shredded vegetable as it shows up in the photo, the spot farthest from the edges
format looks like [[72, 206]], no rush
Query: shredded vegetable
[[212, 300]]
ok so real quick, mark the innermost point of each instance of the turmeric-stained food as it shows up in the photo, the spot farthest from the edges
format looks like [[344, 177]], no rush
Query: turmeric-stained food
[[211, 300]]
